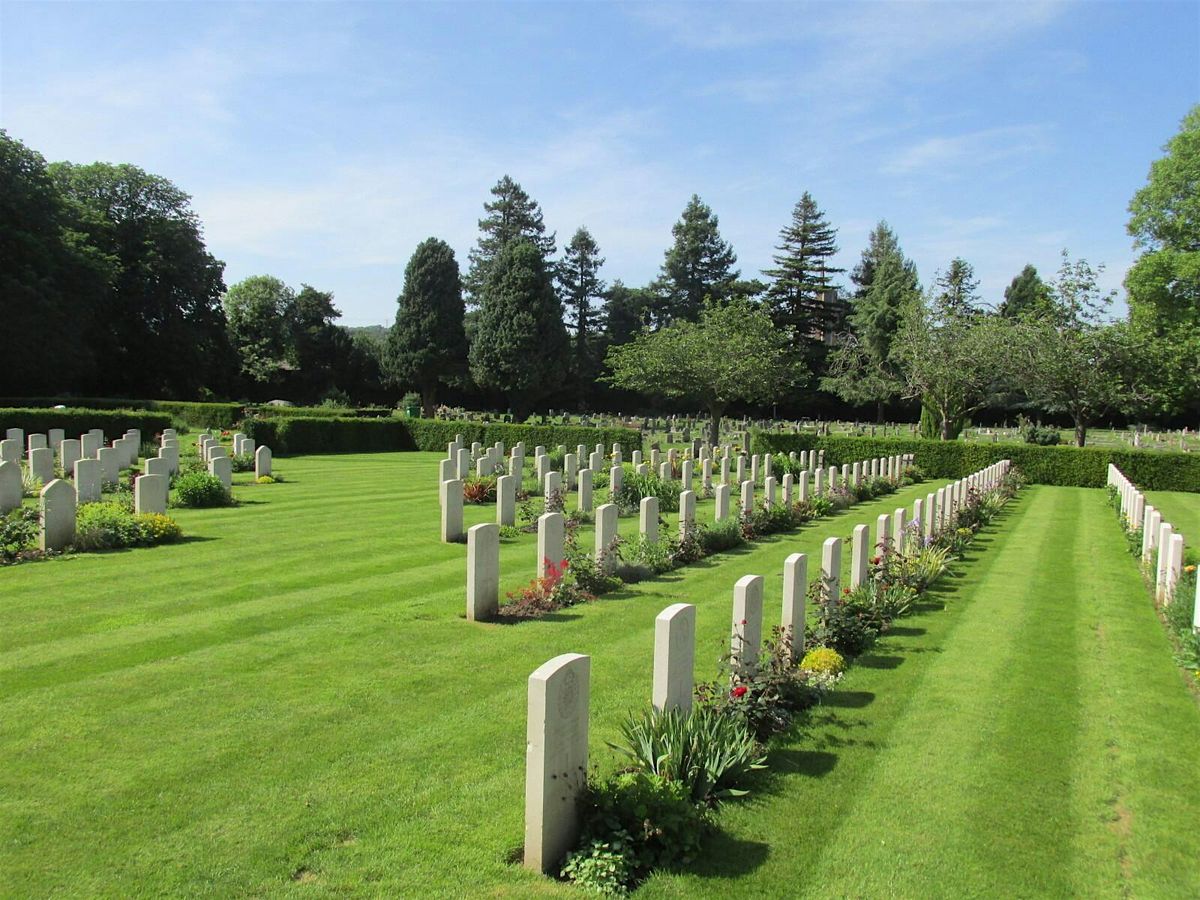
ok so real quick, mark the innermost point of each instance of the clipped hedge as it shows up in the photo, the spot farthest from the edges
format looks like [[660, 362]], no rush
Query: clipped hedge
[[201, 415], [79, 421], [332, 435], [1150, 470], [318, 412]]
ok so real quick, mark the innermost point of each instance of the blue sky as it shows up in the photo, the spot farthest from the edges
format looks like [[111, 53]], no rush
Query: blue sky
[[322, 141]]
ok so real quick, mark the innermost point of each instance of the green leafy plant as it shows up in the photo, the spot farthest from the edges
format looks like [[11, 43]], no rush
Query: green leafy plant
[[711, 753], [634, 488], [602, 867], [199, 489], [18, 534]]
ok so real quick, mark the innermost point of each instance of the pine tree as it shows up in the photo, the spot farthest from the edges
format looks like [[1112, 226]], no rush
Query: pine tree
[[520, 343], [797, 296], [881, 244], [958, 289], [511, 216], [699, 264], [579, 286], [427, 344], [1027, 297]]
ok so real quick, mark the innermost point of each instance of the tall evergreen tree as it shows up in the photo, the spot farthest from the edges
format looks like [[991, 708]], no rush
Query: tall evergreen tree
[[512, 215], [427, 345], [520, 343], [798, 295], [699, 264], [579, 287], [862, 370], [627, 310], [958, 289], [1027, 297]]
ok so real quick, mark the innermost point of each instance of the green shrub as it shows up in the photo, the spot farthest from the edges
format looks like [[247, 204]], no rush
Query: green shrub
[[79, 421], [199, 489], [634, 488], [156, 528], [710, 753], [656, 815], [602, 867], [825, 660], [108, 526], [720, 536], [1151, 470], [18, 533]]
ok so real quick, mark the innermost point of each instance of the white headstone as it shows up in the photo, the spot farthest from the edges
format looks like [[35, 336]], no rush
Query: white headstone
[[222, 467], [450, 494], [556, 759], [150, 494], [648, 521], [57, 503], [860, 545], [10, 486], [585, 490], [747, 622], [10, 451], [687, 511], [36, 442], [550, 536], [483, 571], [506, 500], [674, 657], [41, 463], [87, 480], [831, 569], [721, 508], [606, 534], [795, 583], [69, 451], [156, 465]]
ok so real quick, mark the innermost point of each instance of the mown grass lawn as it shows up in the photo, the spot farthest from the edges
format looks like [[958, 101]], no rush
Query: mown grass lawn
[[291, 701], [1183, 512]]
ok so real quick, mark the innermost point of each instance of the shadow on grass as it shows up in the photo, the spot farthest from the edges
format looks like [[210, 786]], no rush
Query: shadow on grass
[[848, 699], [725, 856]]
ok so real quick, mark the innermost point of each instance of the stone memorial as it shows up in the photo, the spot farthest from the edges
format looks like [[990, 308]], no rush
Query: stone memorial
[[36, 442], [150, 494], [831, 569], [550, 536], [556, 759], [747, 497], [674, 657], [451, 497], [860, 553], [747, 622], [10, 451], [10, 486], [222, 467], [795, 583], [87, 480], [687, 511], [41, 463], [483, 572], [156, 465], [584, 500], [57, 506], [648, 519], [721, 508], [69, 451], [606, 533]]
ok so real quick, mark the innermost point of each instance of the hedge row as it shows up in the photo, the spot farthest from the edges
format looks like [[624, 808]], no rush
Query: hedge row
[[79, 421], [318, 412], [1150, 470], [328, 435], [198, 415]]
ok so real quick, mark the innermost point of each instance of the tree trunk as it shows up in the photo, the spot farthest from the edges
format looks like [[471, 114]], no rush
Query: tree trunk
[[1080, 433], [945, 427], [429, 399], [879, 412]]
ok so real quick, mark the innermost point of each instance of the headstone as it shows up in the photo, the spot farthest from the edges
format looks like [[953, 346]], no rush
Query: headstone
[[860, 546], [789, 481], [447, 470], [506, 500], [795, 583], [551, 531], [10, 451], [170, 453], [802, 487], [570, 468], [556, 759], [685, 469], [606, 533], [706, 472], [883, 533], [831, 569], [674, 657], [1174, 568], [721, 510], [68, 452], [57, 504], [464, 463], [89, 446], [451, 497], [483, 572], [87, 480], [747, 497], [747, 622], [541, 467], [769, 491], [150, 494], [222, 467], [10, 486], [156, 465], [664, 471], [585, 490], [41, 463], [898, 529], [36, 442], [16, 434], [648, 521], [687, 511], [725, 469]]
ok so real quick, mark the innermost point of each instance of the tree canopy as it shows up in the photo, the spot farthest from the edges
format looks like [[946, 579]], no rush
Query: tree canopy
[[698, 265], [802, 275]]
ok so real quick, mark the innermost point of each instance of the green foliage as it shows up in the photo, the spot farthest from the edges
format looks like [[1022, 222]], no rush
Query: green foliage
[[257, 310], [635, 487], [723, 535], [159, 326], [1027, 297], [825, 660], [520, 344], [80, 421], [661, 825], [18, 533], [582, 289], [710, 753], [109, 526], [698, 267], [199, 489], [199, 415], [427, 344], [1071, 466], [1033, 433], [803, 272], [602, 867], [733, 353], [847, 629], [513, 216]]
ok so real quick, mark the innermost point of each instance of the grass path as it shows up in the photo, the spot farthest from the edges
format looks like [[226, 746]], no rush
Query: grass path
[[1026, 736]]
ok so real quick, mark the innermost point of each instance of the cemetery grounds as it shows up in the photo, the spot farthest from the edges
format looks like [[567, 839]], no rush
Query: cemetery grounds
[[291, 702]]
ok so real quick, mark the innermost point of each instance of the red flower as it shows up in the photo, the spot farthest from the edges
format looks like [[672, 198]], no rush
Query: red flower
[[845, 590], [875, 560], [739, 691], [743, 621]]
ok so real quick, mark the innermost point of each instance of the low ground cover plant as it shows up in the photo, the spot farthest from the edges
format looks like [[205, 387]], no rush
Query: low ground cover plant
[[199, 489], [110, 526]]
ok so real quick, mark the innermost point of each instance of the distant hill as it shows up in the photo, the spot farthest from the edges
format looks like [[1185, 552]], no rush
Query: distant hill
[[374, 334]]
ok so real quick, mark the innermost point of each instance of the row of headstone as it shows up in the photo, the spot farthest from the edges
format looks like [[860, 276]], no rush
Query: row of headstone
[[1162, 545], [558, 691]]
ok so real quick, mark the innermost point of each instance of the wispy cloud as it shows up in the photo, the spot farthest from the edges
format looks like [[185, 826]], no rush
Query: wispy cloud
[[947, 155]]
